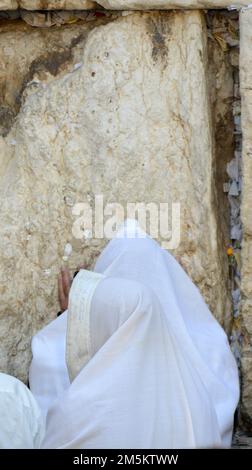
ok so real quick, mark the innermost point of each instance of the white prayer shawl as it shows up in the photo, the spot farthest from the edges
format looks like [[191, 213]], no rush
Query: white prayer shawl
[[150, 367], [21, 422]]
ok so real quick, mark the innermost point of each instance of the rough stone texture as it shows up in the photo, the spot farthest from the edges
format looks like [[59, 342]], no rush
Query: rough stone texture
[[133, 123], [29, 54], [47, 4], [30, 57], [118, 4], [242, 441], [246, 286], [169, 4], [221, 83]]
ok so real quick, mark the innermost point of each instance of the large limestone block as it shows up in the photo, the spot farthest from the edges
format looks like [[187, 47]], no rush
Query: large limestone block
[[47, 4], [132, 122], [8, 4], [29, 57], [32, 54], [119, 4], [246, 306], [169, 4]]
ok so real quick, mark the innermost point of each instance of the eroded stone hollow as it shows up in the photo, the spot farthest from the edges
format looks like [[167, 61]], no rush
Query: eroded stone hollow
[[136, 107]]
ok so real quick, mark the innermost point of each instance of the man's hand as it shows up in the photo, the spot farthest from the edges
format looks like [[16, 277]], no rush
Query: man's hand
[[64, 284]]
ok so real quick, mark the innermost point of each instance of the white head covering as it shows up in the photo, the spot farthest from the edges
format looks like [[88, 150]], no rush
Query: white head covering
[[151, 367], [21, 422]]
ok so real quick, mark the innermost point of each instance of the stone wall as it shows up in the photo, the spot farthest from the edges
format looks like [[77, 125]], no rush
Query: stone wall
[[47, 4], [130, 107], [135, 106], [246, 285], [118, 4]]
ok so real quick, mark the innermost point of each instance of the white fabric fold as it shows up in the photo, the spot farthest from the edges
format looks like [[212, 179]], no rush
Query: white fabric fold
[[48, 375], [78, 349], [157, 370], [21, 422]]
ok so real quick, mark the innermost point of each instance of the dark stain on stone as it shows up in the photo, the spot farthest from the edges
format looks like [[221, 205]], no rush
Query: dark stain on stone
[[158, 27], [54, 60], [7, 117], [51, 62]]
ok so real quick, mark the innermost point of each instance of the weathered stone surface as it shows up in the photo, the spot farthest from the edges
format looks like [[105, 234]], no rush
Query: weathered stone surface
[[242, 440], [221, 87], [169, 4], [29, 58], [246, 285], [29, 54], [119, 4], [8, 4], [47, 4], [131, 122]]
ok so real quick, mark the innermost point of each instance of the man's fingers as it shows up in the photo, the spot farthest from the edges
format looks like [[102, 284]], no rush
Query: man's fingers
[[66, 281], [64, 284]]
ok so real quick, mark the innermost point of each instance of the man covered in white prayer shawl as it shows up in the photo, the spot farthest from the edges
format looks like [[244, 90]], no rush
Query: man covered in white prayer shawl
[[137, 360], [21, 422]]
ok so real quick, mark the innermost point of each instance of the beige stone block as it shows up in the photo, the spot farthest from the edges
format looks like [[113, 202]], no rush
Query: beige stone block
[[47, 4], [120, 4], [246, 284], [131, 121]]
